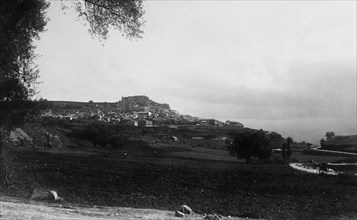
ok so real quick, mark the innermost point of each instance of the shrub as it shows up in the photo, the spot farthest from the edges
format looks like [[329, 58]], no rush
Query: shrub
[[98, 134], [116, 141], [7, 171], [287, 149], [16, 113]]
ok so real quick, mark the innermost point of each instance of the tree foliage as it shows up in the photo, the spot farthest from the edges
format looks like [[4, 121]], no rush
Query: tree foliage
[[116, 141], [7, 170], [276, 140], [29, 110], [123, 15], [99, 134], [21, 21], [256, 144], [329, 135], [95, 132], [322, 143], [287, 148]]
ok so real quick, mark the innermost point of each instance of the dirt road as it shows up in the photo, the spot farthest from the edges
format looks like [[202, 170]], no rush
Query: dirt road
[[15, 209], [334, 151]]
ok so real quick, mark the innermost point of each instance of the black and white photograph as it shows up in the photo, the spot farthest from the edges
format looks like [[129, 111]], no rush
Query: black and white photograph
[[178, 109]]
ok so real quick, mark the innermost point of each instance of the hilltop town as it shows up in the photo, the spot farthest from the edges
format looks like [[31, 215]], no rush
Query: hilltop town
[[131, 110]]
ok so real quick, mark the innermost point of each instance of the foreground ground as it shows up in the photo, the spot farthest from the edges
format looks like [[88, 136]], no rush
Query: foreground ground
[[11, 208], [207, 180]]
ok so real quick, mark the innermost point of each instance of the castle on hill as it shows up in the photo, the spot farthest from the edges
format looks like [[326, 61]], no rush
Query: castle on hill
[[142, 104]]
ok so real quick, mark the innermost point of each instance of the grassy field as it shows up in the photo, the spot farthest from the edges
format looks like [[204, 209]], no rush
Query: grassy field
[[177, 176], [322, 157]]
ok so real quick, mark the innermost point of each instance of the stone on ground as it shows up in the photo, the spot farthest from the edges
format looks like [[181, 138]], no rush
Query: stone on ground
[[186, 209], [179, 214], [53, 196], [45, 194]]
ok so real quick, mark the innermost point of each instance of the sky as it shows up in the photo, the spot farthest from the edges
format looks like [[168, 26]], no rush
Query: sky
[[284, 66]]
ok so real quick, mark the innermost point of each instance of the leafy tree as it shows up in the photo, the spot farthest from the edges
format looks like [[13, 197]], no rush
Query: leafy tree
[[124, 15], [21, 21], [7, 171], [116, 141], [322, 143], [97, 133], [92, 134], [329, 135], [308, 145], [15, 114], [255, 144], [276, 140], [287, 148]]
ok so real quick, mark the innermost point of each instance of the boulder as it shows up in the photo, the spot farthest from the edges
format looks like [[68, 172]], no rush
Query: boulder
[[179, 214], [186, 209], [40, 194], [53, 196]]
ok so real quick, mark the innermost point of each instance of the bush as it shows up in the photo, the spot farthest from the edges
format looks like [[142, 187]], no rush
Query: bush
[[7, 171], [99, 134], [116, 141], [13, 114]]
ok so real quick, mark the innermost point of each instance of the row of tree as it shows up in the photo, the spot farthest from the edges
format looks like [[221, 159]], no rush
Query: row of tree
[[259, 145]]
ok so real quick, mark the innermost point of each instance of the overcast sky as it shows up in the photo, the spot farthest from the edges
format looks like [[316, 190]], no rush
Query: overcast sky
[[285, 66]]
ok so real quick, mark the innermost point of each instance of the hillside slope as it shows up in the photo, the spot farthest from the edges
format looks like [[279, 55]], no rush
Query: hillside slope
[[347, 143]]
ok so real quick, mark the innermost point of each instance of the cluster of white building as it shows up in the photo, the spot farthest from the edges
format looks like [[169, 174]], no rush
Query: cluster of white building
[[132, 110]]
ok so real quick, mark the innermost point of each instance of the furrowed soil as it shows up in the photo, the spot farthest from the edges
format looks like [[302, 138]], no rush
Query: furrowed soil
[[166, 181]]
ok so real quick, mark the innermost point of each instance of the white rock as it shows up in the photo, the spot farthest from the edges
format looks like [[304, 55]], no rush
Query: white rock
[[45, 194], [186, 209], [53, 196], [179, 214]]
